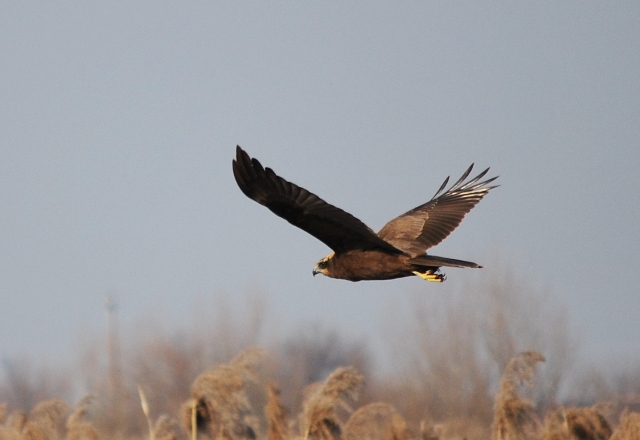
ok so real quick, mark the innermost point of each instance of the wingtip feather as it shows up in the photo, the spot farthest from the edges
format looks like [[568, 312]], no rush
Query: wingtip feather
[[441, 187], [464, 176]]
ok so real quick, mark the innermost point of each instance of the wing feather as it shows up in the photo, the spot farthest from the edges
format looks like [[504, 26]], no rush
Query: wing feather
[[336, 228], [427, 225]]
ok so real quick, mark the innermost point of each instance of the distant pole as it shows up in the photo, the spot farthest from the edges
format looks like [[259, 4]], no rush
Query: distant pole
[[115, 382]]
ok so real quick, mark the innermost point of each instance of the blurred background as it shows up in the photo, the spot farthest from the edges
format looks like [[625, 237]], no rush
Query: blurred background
[[121, 225]]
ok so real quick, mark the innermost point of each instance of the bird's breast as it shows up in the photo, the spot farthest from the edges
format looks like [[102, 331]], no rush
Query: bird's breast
[[369, 265]]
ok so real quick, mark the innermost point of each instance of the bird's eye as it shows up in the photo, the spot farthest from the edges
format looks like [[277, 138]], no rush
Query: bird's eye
[[322, 264]]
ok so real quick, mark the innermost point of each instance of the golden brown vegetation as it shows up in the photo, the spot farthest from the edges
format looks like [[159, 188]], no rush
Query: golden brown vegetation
[[320, 416], [219, 401], [222, 405], [276, 414], [376, 421], [629, 428], [515, 417]]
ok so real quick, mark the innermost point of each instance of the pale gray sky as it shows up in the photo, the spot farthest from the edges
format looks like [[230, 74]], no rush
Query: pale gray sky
[[119, 122]]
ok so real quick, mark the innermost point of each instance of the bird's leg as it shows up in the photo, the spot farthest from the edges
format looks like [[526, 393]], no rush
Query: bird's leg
[[431, 275]]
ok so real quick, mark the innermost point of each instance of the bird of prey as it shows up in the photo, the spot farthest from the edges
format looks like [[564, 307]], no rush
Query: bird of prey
[[398, 250]]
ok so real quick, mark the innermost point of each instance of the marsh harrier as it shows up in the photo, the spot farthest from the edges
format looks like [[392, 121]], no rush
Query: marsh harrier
[[398, 250]]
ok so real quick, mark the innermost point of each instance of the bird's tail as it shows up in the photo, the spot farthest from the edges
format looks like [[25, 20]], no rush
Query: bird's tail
[[434, 261]]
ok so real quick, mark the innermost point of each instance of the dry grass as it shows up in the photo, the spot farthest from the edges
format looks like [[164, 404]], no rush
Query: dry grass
[[515, 417], [233, 401], [629, 427], [587, 424], [376, 421], [45, 421], [165, 428], [222, 407], [555, 426], [78, 425], [320, 420], [276, 415], [576, 424]]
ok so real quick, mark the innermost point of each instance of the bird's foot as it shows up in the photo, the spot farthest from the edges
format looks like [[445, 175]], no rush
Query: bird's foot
[[431, 275]]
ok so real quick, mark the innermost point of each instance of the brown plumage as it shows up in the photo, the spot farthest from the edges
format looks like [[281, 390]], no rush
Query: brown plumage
[[398, 250]]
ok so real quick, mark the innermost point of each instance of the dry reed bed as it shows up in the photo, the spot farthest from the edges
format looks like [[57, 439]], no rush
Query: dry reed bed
[[220, 408]]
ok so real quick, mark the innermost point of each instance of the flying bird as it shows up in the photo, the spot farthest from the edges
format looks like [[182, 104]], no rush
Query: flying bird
[[398, 250]]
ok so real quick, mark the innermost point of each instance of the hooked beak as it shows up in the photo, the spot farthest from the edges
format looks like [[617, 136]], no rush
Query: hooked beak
[[315, 272]]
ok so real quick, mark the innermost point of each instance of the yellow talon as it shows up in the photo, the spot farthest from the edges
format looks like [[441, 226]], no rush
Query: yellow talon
[[431, 276]]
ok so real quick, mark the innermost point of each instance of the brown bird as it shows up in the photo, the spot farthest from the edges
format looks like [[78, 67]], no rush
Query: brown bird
[[398, 250]]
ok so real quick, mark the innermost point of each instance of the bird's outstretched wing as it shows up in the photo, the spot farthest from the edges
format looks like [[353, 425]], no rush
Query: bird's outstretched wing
[[334, 227], [427, 225]]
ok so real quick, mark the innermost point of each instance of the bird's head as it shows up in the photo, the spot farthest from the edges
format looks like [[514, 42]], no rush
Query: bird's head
[[323, 266]]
